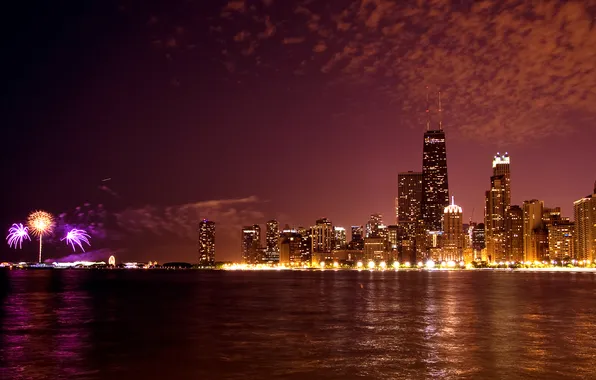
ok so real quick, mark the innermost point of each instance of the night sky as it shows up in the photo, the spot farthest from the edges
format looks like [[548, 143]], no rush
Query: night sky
[[243, 111]]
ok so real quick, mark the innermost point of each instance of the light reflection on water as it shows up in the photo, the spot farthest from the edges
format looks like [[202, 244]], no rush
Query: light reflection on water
[[296, 325]]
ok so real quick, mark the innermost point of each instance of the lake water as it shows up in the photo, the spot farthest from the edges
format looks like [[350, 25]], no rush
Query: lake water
[[85, 324]]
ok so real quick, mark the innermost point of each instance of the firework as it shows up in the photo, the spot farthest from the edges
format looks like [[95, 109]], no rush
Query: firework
[[16, 234], [78, 237], [40, 223]]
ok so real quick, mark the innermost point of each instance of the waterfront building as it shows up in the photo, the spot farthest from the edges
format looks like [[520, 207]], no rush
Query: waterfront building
[[373, 226], [409, 189], [251, 244], [453, 233], [585, 227], [339, 238], [515, 234], [322, 236], [561, 240], [272, 240], [290, 252], [532, 230], [435, 183], [207, 243], [494, 221]]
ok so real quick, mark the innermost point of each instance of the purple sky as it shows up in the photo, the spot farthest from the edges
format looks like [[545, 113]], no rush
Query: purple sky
[[297, 109]]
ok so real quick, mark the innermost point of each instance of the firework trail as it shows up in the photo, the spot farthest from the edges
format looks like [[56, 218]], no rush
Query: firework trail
[[16, 234], [40, 223], [78, 237]]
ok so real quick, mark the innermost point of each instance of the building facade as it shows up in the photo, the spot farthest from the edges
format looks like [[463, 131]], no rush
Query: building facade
[[533, 226], [322, 236], [435, 183], [339, 238], [514, 229], [409, 201], [453, 233], [251, 244], [561, 240], [207, 243], [272, 240], [585, 227]]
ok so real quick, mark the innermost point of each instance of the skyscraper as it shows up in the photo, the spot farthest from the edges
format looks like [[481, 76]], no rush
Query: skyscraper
[[561, 240], [478, 237], [372, 227], [272, 240], [502, 167], [494, 221], [409, 189], [515, 234], [435, 184], [207, 243], [322, 236], [453, 233], [251, 244], [585, 227], [339, 238], [532, 226], [357, 242]]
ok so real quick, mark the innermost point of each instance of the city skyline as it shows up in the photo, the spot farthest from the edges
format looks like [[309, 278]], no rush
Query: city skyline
[[241, 122]]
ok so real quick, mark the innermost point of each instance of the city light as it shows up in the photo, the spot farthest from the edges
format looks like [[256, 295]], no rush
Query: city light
[[383, 265], [371, 264], [396, 264], [430, 264], [359, 264]]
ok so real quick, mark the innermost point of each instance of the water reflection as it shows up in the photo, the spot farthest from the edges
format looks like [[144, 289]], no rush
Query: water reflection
[[296, 325]]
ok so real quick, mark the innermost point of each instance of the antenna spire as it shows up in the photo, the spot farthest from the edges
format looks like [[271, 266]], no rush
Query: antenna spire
[[440, 113], [427, 111], [452, 200]]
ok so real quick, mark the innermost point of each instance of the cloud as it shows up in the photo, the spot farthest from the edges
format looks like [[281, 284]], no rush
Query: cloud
[[293, 40], [320, 47], [236, 6], [508, 70]]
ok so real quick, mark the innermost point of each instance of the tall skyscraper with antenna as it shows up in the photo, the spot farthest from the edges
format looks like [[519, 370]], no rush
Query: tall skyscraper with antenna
[[435, 184]]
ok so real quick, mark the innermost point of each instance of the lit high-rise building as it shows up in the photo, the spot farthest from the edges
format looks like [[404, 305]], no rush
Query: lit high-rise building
[[357, 241], [357, 232], [272, 240], [251, 244], [585, 227], [502, 167], [290, 247], [305, 243], [494, 220], [322, 236], [453, 233], [561, 240], [532, 229], [372, 227], [339, 238], [207, 243], [478, 237], [435, 184], [409, 189], [515, 234]]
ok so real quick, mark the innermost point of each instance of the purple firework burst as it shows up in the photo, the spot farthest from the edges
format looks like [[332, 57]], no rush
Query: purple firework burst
[[78, 237], [16, 234]]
